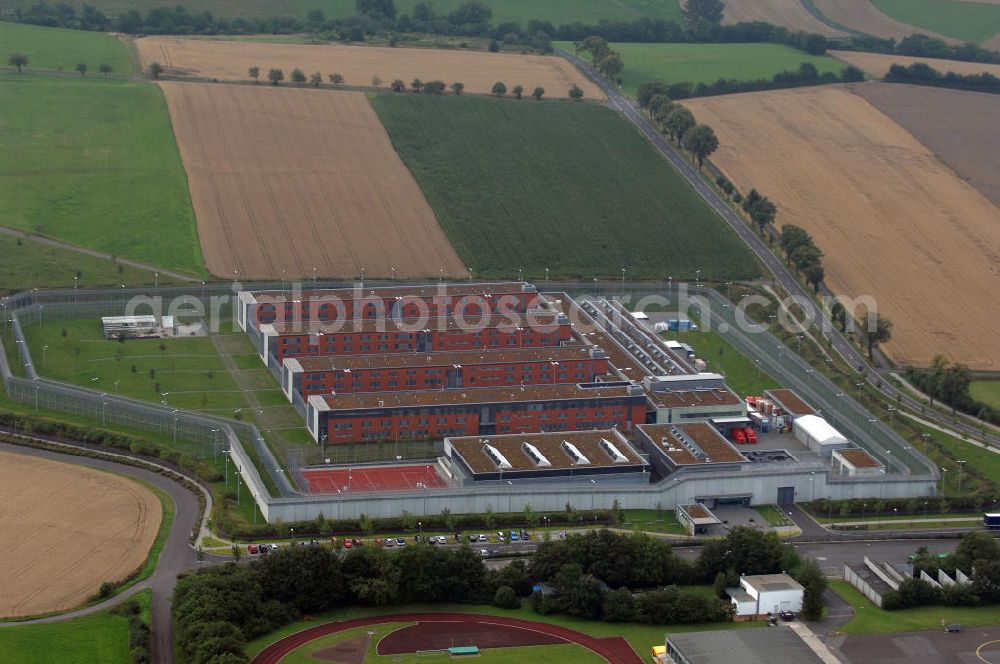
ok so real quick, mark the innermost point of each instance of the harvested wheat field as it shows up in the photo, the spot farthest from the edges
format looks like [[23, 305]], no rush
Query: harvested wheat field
[[287, 180], [786, 13], [893, 221], [478, 70], [955, 124], [863, 16], [67, 529], [877, 64]]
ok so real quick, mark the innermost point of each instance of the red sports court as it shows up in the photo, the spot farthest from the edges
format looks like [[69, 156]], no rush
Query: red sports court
[[373, 478]]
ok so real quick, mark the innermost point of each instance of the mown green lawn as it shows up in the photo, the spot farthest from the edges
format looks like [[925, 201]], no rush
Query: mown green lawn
[[94, 163], [31, 264], [707, 63], [61, 50], [554, 654], [968, 21], [869, 619], [741, 374], [642, 637], [102, 638], [571, 187], [986, 391], [653, 521]]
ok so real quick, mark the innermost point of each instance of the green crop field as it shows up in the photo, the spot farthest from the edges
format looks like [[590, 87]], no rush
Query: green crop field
[[58, 49], [571, 187], [31, 264], [102, 638], [986, 391], [521, 11], [707, 63], [94, 163], [968, 21]]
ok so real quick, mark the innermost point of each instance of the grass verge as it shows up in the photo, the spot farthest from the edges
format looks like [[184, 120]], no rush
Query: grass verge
[[60, 49]]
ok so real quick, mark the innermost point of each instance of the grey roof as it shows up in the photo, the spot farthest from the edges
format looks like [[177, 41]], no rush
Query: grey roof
[[764, 645], [770, 582]]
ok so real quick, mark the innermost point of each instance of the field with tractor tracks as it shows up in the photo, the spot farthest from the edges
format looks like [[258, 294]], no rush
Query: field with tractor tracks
[[478, 70], [68, 529], [558, 185], [319, 186], [786, 13], [894, 222], [863, 16]]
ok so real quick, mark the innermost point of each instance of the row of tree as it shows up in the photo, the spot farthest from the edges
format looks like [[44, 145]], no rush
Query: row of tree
[[602, 57], [861, 507], [920, 73], [20, 61], [924, 47], [806, 75], [949, 384], [802, 252], [978, 555], [677, 122]]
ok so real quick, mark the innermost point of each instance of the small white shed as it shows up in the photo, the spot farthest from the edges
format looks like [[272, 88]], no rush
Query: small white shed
[[771, 593], [816, 433]]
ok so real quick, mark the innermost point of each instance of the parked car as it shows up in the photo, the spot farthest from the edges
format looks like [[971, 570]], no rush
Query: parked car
[[473, 538], [787, 615], [954, 627], [442, 539], [400, 541], [484, 553], [378, 541], [253, 549], [483, 537], [347, 543], [501, 537], [357, 542], [514, 536], [525, 535], [265, 548], [389, 542], [561, 534]]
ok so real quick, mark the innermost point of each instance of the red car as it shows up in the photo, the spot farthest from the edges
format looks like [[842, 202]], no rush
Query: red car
[[347, 543], [253, 548]]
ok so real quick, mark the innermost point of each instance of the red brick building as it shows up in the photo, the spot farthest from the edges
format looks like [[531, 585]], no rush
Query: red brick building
[[473, 300], [305, 376], [280, 340], [369, 417]]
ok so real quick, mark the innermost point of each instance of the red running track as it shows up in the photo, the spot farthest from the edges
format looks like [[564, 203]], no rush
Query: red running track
[[615, 649], [378, 478]]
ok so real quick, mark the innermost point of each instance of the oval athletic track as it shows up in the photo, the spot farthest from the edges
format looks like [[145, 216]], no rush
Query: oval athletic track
[[614, 649]]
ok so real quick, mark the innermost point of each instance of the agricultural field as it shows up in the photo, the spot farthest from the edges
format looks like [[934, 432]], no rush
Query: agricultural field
[[894, 223], [973, 22], [988, 392], [877, 65], [521, 11], [478, 70], [863, 16], [94, 163], [102, 638], [68, 529], [974, 154], [61, 50], [707, 63], [319, 189], [786, 13], [28, 263], [527, 192]]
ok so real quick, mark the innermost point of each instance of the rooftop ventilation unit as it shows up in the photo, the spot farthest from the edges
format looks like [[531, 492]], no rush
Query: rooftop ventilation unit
[[496, 457], [688, 443], [613, 452], [575, 455], [537, 457]]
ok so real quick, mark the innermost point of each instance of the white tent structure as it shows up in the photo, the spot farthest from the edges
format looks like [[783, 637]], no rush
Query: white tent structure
[[816, 433]]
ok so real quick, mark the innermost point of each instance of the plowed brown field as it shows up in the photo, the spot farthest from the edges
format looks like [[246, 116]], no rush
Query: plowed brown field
[[863, 16], [66, 529], [892, 220], [230, 60], [786, 13], [287, 180], [877, 64]]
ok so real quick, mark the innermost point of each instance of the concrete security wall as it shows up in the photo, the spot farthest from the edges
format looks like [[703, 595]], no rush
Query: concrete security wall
[[862, 586]]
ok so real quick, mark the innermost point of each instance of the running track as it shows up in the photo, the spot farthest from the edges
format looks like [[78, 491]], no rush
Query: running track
[[615, 650]]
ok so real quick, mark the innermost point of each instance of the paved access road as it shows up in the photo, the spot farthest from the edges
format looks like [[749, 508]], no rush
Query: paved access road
[[177, 555], [874, 376]]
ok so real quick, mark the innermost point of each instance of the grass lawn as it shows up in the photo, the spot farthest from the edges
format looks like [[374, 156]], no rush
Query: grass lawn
[[94, 163], [869, 619], [986, 391], [32, 264], [555, 654], [772, 515], [642, 637], [61, 49], [978, 460], [98, 639], [741, 374], [968, 21], [515, 185], [707, 63], [652, 521]]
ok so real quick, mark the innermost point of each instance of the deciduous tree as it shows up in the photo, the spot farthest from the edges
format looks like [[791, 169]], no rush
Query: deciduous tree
[[276, 76], [701, 141], [517, 91], [19, 60], [499, 89], [105, 69], [336, 79], [538, 92], [576, 93], [254, 73]]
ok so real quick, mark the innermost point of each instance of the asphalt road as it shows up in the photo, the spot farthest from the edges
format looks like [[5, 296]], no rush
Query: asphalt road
[[876, 377], [176, 557]]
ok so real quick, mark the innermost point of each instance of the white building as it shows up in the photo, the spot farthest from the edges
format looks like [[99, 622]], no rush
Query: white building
[[767, 593], [816, 433]]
